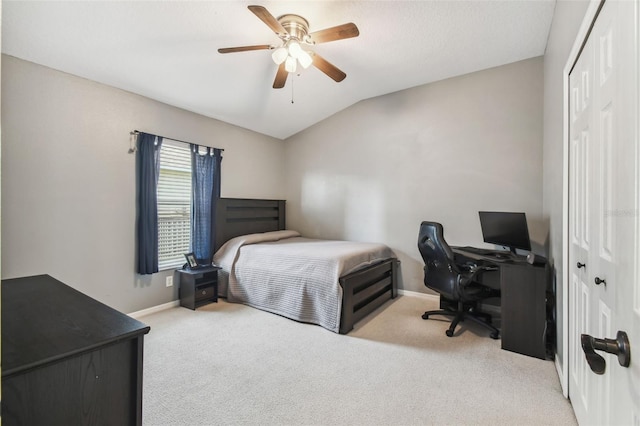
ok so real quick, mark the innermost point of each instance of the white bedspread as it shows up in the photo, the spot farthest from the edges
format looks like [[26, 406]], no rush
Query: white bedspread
[[292, 276]]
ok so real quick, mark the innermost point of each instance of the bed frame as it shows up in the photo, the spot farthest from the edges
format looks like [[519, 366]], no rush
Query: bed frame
[[363, 290]]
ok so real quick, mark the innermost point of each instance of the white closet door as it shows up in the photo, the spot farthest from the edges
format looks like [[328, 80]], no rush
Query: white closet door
[[603, 214], [581, 152]]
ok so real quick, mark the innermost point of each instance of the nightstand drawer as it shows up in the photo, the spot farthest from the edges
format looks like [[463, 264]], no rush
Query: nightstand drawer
[[204, 292]]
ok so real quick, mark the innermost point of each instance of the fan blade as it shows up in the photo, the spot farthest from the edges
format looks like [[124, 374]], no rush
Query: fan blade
[[281, 77], [335, 33], [244, 48], [268, 19], [328, 68]]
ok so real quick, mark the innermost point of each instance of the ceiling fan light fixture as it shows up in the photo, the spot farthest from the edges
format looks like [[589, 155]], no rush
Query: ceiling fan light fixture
[[279, 55], [291, 64], [305, 59], [294, 49]]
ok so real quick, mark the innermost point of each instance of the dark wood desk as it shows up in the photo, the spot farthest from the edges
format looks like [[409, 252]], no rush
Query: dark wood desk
[[524, 302], [67, 359]]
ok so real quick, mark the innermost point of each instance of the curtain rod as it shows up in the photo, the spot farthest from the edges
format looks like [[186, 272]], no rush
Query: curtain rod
[[136, 132]]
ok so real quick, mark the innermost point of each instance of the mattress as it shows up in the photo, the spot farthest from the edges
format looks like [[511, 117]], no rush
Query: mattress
[[296, 277]]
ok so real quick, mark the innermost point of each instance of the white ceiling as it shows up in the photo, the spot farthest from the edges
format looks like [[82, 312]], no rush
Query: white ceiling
[[167, 50]]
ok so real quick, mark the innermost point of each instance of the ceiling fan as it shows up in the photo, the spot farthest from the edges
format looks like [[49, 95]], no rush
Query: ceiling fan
[[293, 30]]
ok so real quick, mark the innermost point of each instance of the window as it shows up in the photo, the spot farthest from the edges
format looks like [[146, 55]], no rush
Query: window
[[174, 204], [166, 228]]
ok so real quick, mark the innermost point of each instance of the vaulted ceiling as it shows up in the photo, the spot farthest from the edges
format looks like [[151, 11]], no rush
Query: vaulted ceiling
[[167, 50]]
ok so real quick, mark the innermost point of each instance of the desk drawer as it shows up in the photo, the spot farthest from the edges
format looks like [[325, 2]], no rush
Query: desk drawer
[[204, 292]]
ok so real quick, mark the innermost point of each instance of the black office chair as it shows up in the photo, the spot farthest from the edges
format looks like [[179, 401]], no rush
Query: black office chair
[[455, 282]]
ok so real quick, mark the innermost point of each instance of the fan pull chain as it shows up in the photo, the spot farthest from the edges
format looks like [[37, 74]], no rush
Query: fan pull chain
[[292, 89]]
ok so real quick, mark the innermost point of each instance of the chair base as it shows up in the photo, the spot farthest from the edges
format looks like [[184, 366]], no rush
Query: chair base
[[465, 312]]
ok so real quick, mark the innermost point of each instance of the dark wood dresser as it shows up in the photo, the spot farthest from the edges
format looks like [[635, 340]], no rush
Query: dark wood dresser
[[67, 359]]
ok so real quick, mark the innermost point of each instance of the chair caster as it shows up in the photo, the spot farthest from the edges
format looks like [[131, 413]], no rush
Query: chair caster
[[494, 335], [449, 333], [425, 316]]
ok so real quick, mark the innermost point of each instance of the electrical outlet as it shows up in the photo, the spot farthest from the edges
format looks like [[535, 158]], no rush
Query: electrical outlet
[[169, 281]]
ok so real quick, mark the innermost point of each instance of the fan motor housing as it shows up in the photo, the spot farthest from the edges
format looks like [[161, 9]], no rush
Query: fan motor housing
[[296, 26]]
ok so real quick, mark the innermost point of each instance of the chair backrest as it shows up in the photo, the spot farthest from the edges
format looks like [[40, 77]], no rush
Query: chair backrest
[[440, 271]]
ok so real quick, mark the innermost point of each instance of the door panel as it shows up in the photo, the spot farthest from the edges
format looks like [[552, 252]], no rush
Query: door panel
[[607, 59], [603, 383], [606, 225], [625, 406], [580, 217]]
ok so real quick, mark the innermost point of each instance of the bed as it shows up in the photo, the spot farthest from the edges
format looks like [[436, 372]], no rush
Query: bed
[[277, 270]]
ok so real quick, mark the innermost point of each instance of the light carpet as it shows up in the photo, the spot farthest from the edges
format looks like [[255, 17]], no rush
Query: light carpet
[[231, 364]]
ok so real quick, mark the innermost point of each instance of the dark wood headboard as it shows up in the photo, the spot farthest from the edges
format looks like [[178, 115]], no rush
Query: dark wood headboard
[[241, 216]]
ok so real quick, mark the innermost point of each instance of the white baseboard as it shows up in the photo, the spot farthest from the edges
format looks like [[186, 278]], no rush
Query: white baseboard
[[154, 309], [432, 297]]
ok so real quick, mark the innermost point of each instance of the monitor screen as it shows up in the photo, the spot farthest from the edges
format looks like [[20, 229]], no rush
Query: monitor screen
[[505, 229]]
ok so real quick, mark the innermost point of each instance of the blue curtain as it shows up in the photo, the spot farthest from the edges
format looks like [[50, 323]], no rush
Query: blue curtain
[[148, 170], [217, 178], [205, 185]]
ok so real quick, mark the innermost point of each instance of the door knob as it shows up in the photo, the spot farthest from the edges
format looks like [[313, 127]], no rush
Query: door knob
[[599, 281], [580, 265], [619, 347]]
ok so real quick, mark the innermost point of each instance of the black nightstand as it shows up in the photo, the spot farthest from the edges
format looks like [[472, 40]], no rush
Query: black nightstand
[[198, 286]]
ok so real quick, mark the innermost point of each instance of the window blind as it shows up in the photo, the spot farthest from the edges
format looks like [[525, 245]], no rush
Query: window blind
[[174, 204]]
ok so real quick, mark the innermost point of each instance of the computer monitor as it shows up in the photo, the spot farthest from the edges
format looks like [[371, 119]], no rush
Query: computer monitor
[[505, 229]]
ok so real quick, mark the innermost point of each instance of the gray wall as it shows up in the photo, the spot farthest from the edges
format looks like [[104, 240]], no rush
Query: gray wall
[[68, 183], [440, 152], [566, 22]]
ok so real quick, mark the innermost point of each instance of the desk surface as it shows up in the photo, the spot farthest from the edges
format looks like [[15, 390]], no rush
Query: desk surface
[[493, 256]]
